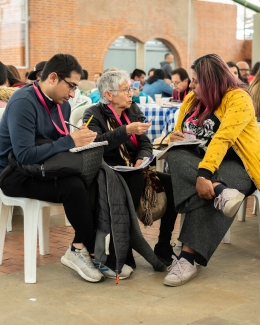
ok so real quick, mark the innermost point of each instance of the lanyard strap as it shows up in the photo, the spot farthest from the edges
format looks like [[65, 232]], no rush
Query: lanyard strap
[[133, 136], [194, 114], [65, 132], [179, 95]]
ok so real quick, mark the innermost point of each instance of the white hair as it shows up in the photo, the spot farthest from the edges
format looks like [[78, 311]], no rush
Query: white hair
[[111, 81]]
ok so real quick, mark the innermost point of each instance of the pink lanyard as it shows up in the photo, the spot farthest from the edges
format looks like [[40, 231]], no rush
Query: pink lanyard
[[189, 119], [65, 132], [133, 136], [179, 95]]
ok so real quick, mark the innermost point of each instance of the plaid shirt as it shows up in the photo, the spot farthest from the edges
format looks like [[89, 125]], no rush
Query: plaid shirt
[[162, 124]]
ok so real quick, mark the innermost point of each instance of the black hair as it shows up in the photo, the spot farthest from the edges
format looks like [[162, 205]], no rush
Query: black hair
[[232, 64], [255, 69], [84, 74], [181, 72], [63, 65], [152, 69], [26, 74], [3, 74], [158, 74], [137, 73]]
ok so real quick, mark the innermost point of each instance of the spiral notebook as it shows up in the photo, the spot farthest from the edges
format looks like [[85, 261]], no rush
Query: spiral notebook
[[89, 146]]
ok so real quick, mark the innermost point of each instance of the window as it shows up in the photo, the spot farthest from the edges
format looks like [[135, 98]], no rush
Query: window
[[14, 32]]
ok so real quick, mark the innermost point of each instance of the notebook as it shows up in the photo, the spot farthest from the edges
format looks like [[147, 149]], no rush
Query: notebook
[[89, 146]]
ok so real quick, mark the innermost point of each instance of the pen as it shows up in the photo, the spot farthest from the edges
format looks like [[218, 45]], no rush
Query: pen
[[72, 125], [89, 120], [151, 119], [179, 135]]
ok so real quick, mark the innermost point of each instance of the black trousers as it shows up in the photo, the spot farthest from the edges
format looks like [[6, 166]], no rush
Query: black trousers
[[70, 191], [135, 183]]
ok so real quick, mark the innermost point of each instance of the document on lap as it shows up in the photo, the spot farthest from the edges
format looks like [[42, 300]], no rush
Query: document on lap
[[163, 154], [89, 146], [145, 163]]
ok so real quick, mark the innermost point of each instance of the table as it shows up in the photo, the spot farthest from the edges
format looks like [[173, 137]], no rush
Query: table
[[163, 122]]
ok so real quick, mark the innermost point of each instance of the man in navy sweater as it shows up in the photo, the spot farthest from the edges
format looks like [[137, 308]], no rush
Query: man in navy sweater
[[38, 111]]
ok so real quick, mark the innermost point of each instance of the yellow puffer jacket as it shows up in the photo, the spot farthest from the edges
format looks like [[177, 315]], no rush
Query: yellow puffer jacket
[[238, 129]]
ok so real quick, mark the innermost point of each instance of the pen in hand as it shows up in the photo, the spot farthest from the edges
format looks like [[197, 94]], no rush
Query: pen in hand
[[72, 125], [89, 120]]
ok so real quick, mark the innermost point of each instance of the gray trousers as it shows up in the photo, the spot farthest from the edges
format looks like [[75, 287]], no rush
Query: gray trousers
[[204, 227]]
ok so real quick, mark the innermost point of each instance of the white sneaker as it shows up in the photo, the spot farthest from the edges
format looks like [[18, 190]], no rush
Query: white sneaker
[[229, 201], [181, 271], [125, 273], [81, 262]]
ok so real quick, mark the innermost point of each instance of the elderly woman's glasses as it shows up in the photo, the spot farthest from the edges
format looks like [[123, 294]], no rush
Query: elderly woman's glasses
[[71, 86], [126, 91]]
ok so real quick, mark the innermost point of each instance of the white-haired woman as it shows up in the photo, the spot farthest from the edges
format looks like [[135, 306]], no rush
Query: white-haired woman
[[119, 121]]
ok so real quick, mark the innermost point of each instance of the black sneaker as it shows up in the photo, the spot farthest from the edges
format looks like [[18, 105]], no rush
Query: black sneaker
[[164, 254]]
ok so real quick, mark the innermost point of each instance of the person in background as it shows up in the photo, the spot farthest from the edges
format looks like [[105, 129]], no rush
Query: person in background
[[234, 70], [37, 71], [5, 92], [151, 72], [254, 90], [14, 71], [27, 81], [244, 71], [12, 81], [156, 85], [138, 75], [211, 179], [166, 65], [86, 85], [97, 75], [254, 71], [181, 83]]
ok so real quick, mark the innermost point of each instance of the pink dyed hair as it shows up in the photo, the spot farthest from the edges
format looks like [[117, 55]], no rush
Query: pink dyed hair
[[215, 79]]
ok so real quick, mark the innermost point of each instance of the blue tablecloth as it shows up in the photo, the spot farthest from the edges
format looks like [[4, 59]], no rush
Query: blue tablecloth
[[163, 123]]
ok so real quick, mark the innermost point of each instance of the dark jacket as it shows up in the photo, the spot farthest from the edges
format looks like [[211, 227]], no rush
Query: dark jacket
[[167, 68], [117, 219], [118, 136]]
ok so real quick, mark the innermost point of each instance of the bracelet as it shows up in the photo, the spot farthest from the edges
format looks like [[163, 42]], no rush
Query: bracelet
[[201, 177]]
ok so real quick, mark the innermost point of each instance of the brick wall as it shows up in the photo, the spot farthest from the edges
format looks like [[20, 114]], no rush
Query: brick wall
[[86, 28]]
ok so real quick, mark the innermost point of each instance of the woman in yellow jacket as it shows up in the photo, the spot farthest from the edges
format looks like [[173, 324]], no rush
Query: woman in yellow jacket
[[210, 180]]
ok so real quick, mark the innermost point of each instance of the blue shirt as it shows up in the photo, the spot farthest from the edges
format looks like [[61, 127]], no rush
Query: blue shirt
[[24, 120], [158, 87]]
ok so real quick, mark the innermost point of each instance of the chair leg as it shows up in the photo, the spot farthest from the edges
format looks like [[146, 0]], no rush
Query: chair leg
[[4, 211], [255, 207], [44, 230], [179, 244], [242, 211], [31, 216], [67, 223], [9, 220], [257, 210]]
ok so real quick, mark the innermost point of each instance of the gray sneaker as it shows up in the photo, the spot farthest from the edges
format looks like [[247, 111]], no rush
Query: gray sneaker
[[229, 201], [125, 273], [81, 262], [180, 272]]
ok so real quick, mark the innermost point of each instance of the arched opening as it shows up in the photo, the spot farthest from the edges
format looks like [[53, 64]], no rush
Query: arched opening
[[155, 51], [121, 54]]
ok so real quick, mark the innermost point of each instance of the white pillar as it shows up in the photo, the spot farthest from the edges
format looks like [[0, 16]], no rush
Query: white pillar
[[140, 55], [256, 40]]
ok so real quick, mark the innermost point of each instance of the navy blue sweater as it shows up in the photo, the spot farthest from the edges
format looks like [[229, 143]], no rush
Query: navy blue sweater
[[24, 120]]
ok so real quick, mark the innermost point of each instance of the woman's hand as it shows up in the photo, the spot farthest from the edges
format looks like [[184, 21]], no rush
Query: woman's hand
[[205, 188], [136, 92], [138, 162], [83, 137], [137, 128], [177, 136]]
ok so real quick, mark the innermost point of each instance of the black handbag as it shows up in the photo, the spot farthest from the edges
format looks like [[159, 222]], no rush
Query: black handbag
[[84, 164]]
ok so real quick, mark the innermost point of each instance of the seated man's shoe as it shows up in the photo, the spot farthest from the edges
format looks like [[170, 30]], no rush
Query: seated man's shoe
[[229, 201], [164, 253], [80, 261], [107, 272], [180, 272]]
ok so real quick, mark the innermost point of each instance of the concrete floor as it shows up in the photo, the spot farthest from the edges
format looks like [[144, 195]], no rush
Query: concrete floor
[[227, 292]]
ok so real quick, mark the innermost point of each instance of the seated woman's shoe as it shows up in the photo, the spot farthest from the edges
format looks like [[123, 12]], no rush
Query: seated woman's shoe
[[180, 272], [164, 253], [229, 201]]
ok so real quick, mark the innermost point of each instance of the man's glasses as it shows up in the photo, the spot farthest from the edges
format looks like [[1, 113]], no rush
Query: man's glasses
[[175, 83], [126, 91], [71, 86], [246, 70]]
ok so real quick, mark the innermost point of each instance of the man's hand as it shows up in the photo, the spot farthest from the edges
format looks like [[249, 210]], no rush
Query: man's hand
[[138, 162], [83, 137], [137, 128], [136, 92], [205, 188], [168, 81], [177, 136]]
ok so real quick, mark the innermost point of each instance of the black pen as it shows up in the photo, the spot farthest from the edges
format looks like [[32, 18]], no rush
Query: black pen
[[72, 125]]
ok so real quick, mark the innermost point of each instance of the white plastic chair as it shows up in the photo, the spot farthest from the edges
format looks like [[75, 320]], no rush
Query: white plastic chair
[[77, 114], [32, 217]]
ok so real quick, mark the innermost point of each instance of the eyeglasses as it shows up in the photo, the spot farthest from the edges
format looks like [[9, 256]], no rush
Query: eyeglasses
[[71, 86], [175, 83], [126, 91]]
